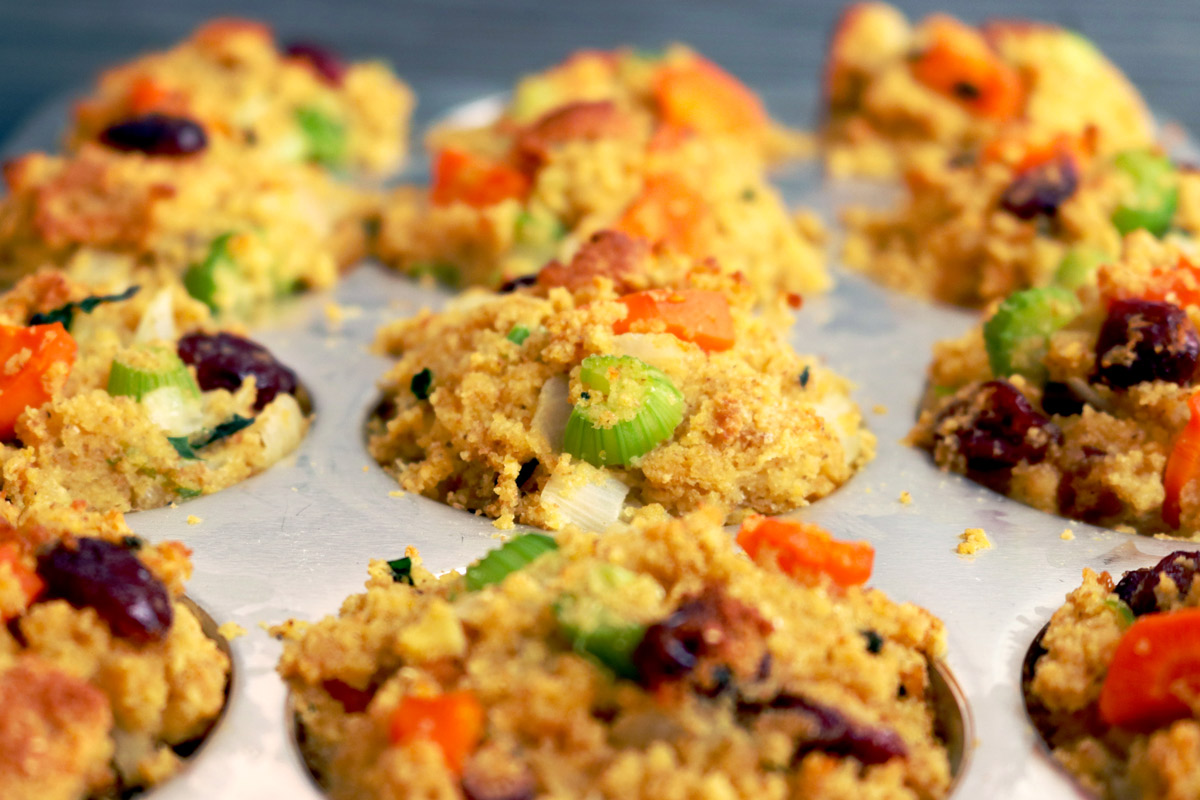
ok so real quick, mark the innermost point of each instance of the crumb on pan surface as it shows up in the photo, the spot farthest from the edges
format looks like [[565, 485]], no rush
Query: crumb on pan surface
[[1105, 644], [473, 412], [780, 660], [98, 687], [301, 103], [972, 541], [556, 168], [1080, 403], [900, 95], [87, 440]]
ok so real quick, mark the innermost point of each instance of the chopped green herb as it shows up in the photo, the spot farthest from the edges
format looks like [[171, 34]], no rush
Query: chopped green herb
[[748, 195], [874, 641], [1123, 611], [324, 136], [804, 376], [226, 429], [66, 313], [518, 334], [187, 493], [133, 542], [217, 281], [402, 570], [183, 447], [421, 384]]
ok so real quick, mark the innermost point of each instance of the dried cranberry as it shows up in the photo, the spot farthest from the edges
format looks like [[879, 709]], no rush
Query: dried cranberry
[[323, 61], [1137, 587], [1059, 398], [1001, 430], [1146, 340], [830, 731], [224, 361], [93, 573], [1040, 190], [156, 135], [519, 282]]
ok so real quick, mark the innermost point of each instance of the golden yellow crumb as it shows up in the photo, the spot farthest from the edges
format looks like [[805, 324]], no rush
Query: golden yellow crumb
[[397, 493], [192, 519], [366, 468], [973, 541], [906, 498], [879, 408], [231, 631], [1067, 535]]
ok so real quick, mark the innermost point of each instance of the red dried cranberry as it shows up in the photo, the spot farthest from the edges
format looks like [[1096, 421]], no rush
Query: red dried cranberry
[[1059, 398], [1137, 587], [1040, 190], [1146, 340], [93, 573], [323, 61], [156, 135], [1002, 431], [831, 732], [224, 361]]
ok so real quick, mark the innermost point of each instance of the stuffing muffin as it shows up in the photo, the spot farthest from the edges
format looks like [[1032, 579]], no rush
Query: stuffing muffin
[[107, 675], [593, 386], [899, 95], [1082, 403], [301, 104], [239, 232], [1024, 212], [561, 165], [1111, 685], [651, 661], [132, 400]]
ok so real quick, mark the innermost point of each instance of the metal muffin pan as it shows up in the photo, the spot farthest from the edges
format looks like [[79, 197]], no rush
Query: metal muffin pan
[[295, 541]]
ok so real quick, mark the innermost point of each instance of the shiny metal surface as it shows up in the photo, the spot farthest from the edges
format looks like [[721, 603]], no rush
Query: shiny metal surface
[[295, 541]]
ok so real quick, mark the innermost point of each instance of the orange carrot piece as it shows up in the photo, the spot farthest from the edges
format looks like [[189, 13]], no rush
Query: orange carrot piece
[[698, 94], [1179, 284], [668, 211], [147, 94], [960, 64], [30, 584], [693, 315], [1183, 464], [28, 374], [1156, 658], [801, 549], [452, 721], [461, 177]]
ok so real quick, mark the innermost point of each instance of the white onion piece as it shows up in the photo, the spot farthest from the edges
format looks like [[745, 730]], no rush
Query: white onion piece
[[661, 350], [177, 412], [552, 412], [281, 426], [840, 414], [593, 504], [158, 320]]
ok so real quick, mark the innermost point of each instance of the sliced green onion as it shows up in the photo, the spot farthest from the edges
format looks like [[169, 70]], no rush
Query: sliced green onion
[[1078, 267], [217, 281], [422, 384], [1016, 335], [187, 492], [1122, 610], [183, 446], [401, 570], [444, 273], [187, 446], [1155, 194], [508, 558], [626, 409], [594, 628], [518, 334], [155, 377], [324, 137]]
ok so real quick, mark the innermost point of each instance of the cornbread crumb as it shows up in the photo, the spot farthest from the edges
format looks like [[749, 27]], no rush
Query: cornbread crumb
[[1067, 535], [397, 493], [231, 631], [366, 468], [879, 408], [973, 541], [906, 498], [192, 519]]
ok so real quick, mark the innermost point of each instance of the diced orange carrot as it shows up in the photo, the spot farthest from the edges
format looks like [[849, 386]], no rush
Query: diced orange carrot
[[668, 211], [30, 584], [1178, 284], [669, 137], [698, 94], [959, 63], [1156, 664], [32, 361], [694, 315], [803, 549], [1025, 153], [1183, 464], [147, 94], [462, 177], [452, 721]]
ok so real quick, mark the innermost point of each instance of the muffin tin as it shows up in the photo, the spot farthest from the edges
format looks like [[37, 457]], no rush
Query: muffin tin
[[295, 540]]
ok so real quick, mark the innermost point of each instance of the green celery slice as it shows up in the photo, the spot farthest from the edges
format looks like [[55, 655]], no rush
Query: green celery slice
[[1155, 195], [1078, 267], [596, 630], [1016, 335], [507, 559], [324, 136], [144, 368]]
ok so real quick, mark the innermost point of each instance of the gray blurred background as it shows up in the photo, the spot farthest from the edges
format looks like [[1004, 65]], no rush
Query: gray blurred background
[[458, 49]]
